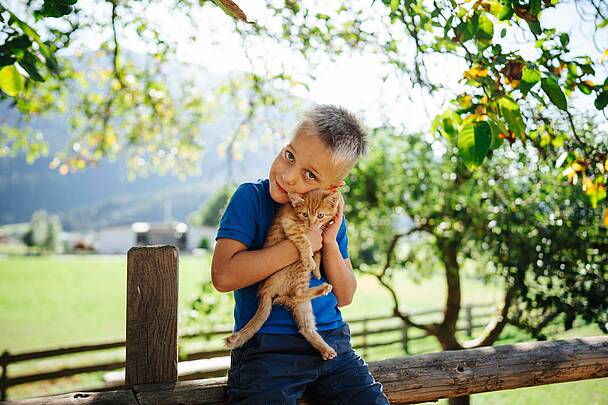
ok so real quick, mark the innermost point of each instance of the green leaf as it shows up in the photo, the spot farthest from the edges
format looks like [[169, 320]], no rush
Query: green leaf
[[582, 86], [512, 115], [467, 29], [564, 39], [447, 123], [506, 12], [552, 88], [535, 27], [529, 78], [485, 28], [495, 130], [535, 7], [587, 68], [474, 142], [11, 82], [601, 101]]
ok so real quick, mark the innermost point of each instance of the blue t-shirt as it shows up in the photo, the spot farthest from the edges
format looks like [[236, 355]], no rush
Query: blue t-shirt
[[247, 218]]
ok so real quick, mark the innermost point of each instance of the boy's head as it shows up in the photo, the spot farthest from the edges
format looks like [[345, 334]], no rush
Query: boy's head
[[323, 148]]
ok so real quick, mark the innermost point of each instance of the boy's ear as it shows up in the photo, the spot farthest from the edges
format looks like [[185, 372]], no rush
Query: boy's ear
[[336, 186]]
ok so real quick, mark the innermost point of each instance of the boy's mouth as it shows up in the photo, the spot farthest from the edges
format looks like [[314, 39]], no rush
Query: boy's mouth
[[281, 189]]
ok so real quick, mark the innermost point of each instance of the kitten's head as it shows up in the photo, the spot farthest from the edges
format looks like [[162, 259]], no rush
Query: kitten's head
[[316, 208]]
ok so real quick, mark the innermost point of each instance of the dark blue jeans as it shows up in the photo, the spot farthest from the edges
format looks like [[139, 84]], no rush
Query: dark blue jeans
[[278, 369]]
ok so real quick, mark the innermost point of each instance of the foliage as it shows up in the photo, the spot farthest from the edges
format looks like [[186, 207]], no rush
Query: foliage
[[511, 219], [518, 73], [204, 243], [520, 77], [45, 233], [23, 54], [116, 102], [212, 209], [213, 308]]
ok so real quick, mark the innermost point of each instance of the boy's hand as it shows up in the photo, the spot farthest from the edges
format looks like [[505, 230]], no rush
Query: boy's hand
[[315, 237], [332, 227]]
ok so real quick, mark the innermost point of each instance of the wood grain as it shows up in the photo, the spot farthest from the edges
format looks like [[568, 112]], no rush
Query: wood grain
[[152, 280]]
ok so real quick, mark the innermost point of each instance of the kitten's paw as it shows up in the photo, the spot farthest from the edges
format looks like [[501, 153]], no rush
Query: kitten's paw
[[328, 353], [316, 273], [327, 288]]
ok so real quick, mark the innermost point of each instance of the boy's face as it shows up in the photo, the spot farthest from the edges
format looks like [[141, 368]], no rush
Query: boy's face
[[304, 164]]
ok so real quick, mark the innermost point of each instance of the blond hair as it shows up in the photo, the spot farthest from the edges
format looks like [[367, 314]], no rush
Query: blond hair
[[340, 131]]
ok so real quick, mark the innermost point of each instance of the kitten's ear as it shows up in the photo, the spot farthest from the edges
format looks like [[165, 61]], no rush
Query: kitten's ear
[[332, 198], [296, 200]]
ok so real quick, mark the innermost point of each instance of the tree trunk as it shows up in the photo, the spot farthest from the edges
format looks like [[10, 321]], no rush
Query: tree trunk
[[446, 330], [463, 400]]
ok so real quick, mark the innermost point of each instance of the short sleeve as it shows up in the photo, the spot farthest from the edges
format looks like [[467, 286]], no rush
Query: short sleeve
[[239, 220], [342, 239]]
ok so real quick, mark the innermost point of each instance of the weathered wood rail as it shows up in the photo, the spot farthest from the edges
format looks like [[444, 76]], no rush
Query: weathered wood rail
[[151, 367], [364, 333]]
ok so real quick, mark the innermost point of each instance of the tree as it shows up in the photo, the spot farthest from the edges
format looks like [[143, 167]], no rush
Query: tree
[[44, 233], [519, 74], [53, 242], [505, 95], [512, 218], [40, 229], [115, 102], [212, 210]]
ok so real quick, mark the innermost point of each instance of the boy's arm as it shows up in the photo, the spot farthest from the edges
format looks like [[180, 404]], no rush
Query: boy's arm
[[338, 271], [234, 267]]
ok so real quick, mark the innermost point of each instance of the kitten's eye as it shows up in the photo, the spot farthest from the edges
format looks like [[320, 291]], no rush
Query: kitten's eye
[[288, 155], [320, 215], [305, 214]]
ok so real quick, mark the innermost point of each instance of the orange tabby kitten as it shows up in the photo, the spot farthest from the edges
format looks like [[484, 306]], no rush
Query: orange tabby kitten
[[290, 285]]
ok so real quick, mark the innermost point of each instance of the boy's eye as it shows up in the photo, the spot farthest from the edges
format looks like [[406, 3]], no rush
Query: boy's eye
[[311, 175], [320, 215], [288, 155]]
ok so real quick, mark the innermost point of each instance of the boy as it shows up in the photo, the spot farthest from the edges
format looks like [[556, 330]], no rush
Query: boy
[[277, 365]]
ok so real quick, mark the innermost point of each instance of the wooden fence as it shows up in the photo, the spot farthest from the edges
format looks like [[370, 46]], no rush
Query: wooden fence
[[364, 336], [151, 357]]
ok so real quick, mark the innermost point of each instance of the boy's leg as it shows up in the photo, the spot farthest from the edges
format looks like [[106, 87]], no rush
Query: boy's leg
[[271, 369], [345, 379]]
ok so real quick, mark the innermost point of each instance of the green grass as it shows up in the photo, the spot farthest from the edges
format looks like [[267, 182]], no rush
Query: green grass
[[53, 301], [73, 300]]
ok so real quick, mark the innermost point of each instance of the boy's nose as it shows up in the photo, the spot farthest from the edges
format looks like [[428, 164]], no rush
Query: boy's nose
[[289, 178]]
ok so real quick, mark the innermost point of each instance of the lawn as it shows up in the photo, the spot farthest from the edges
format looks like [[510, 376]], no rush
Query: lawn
[[47, 302]]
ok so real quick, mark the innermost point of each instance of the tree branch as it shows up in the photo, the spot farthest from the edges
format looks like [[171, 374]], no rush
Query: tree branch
[[496, 325]]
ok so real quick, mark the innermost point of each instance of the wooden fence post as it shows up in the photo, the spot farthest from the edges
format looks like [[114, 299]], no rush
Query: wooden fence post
[[364, 337], [469, 313], [3, 377], [405, 337], [152, 275]]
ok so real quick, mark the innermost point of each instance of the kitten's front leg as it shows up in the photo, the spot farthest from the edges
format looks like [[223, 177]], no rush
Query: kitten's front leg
[[296, 234], [317, 270]]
